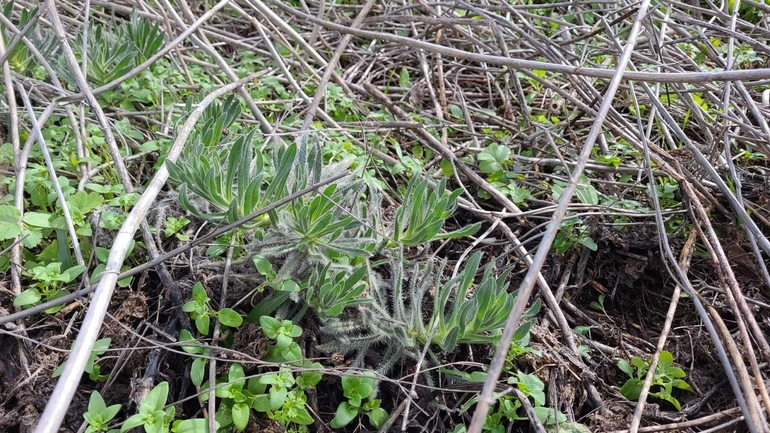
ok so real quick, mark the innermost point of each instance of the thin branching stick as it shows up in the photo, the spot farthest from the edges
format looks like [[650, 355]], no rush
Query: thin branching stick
[[486, 399]]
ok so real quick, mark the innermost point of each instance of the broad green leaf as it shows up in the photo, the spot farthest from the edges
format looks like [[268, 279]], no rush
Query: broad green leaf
[[264, 267], [344, 415], [38, 219], [586, 193], [101, 345], [675, 372], [679, 383], [255, 387], [447, 169], [295, 331], [522, 331], [493, 157], [666, 360], [27, 297], [568, 427], [589, 243], [189, 306], [293, 353], [631, 389], [196, 425], [532, 386], [94, 419], [478, 376], [110, 412], [96, 403], [517, 194], [32, 237], [283, 341], [236, 373], [277, 397], [198, 371], [669, 398], [156, 399], [191, 345], [262, 403], [641, 365], [289, 286], [377, 417], [70, 274], [240, 413], [9, 222], [358, 387], [302, 416], [230, 317], [132, 422], [270, 326], [157, 421], [199, 293], [85, 202], [310, 378], [456, 111], [202, 323]]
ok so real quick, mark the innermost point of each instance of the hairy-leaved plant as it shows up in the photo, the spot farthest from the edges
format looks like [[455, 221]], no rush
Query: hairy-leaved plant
[[423, 212], [399, 322], [223, 180]]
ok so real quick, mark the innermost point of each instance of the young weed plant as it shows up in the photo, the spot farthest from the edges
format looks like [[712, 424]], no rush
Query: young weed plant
[[509, 409], [422, 213], [201, 312], [92, 366], [49, 280], [360, 392], [155, 419], [99, 415], [396, 318], [279, 394], [666, 378]]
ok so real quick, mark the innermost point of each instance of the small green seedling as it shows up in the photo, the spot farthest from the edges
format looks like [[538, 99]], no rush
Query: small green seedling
[[92, 368], [242, 399], [330, 292], [50, 279], [520, 345], [151, 414], [284, 401], [154, 419], [194, 347], [422, 214], [357, 389], [283, 332], [494, 158], [666, 378], [508, 408], [174, 228], [572, 233], [99, 415], [599, 305], [201, 313]]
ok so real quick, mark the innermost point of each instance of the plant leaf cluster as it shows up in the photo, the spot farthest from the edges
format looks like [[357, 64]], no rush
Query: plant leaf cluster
[[360, 391], [278, 393], [666, 378]]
